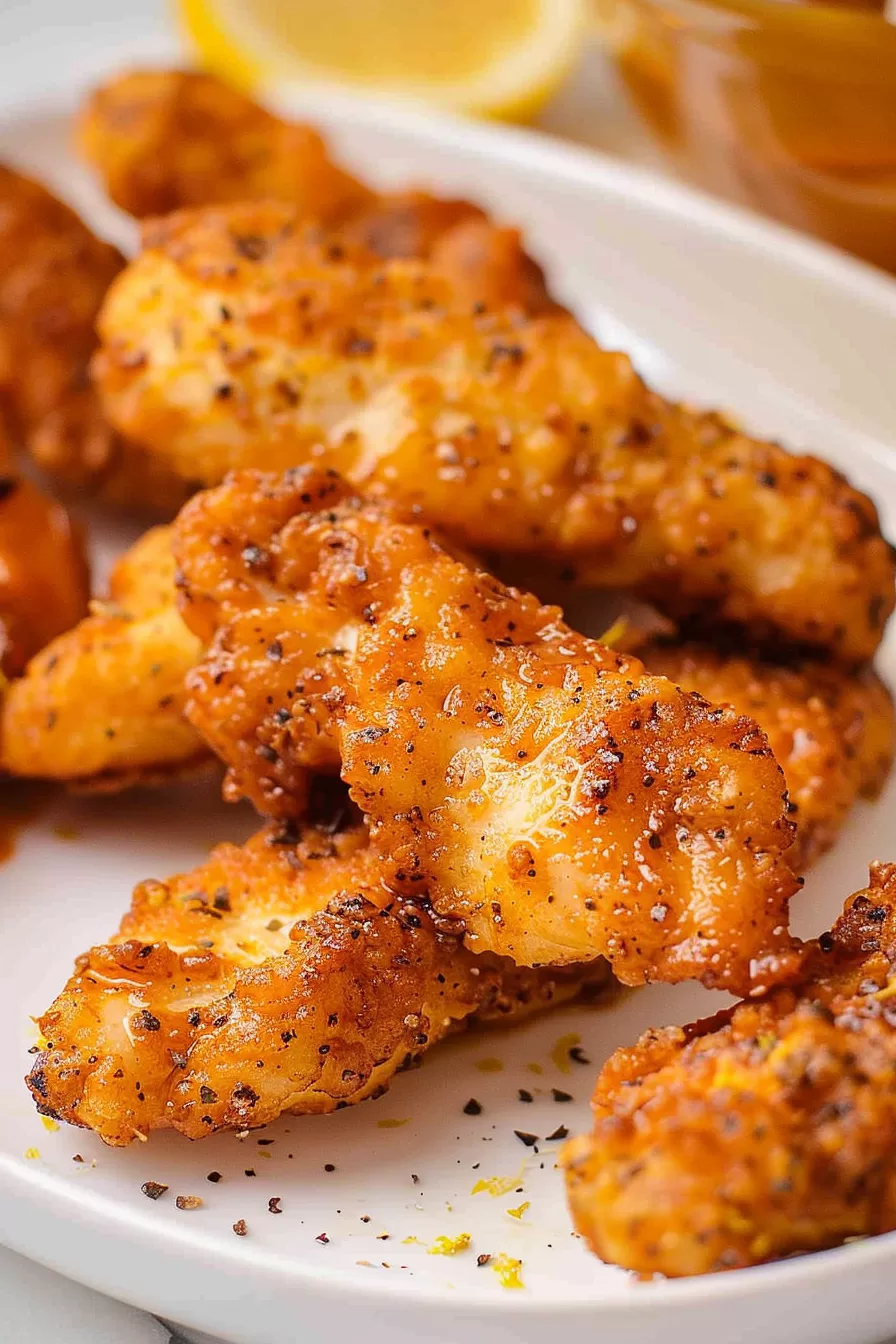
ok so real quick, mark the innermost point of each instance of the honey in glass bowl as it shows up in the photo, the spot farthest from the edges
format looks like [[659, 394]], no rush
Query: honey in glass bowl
[[789, 108]]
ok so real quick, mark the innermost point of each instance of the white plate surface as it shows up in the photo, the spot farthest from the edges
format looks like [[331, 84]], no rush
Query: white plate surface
[[798, 342]]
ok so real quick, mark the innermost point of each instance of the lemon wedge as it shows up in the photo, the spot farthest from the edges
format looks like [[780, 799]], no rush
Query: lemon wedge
[[496, 58]]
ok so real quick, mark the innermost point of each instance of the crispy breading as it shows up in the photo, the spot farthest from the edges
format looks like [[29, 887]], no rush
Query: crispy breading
[[280, 976], [44, 579], [53, 276], [237, 339], [831, 729], [101, 707], [762, 1132], [546, 790], [164, 140]]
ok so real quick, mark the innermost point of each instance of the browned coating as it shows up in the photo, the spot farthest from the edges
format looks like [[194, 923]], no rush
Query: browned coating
[[764, 1131], [280, 976], [549, 792], [238, 339], [53, 275], [101, 706], [831, 728], [44, 581], [163, 140]]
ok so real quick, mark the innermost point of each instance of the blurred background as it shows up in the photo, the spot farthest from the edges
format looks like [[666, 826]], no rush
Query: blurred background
[[784, 106]]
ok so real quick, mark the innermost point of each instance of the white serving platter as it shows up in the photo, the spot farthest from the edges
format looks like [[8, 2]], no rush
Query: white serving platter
[[716, 305]]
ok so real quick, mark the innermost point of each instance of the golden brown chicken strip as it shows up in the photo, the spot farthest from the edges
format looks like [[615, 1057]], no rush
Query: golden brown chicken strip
[[163, 140], [767, 1130], [549, 792], [831, 729], [44, 579], [53, 275], [236, 339], [280, 976], [101, 707]]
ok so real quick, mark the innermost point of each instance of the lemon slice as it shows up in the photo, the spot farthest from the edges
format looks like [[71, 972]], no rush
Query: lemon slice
[[498, 58]]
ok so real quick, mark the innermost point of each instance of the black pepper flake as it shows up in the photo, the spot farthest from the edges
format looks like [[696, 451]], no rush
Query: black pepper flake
[[240, 1227], [529, 1140], [323, 1238], [151, 1189], [265, 1143], [214, 1177], [415, 1178], [145, 1021], [578, 1056], [559, 1095], [482, 1260], [274, 1204], [561, 1132], [329, 1166], [249, 1171], [524, 1095], [473, 1107]]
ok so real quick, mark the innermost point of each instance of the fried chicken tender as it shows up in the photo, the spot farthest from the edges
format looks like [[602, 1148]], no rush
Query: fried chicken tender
[[101, 707], [547, 791], [764, 1131], [832, 730], [44, 579], [163, 140], [236, 339], [280, 976], [53, 276]]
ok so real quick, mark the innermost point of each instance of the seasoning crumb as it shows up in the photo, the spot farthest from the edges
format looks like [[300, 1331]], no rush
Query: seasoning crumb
[[561, 1132], [214, 1177], [274, 1204], [528, 1139], [450, 1245], [524, 1095], [322, 1238], [473, 1107], [77, 1158], [240, 1227], [188, 1202], [520, 1210], [365, 1217], [482, 1260], [558, 1095], [329, 1166], [153, 1189]]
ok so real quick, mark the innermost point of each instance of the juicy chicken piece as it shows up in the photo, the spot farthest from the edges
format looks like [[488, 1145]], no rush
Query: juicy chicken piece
[[163, 140], [831, 729], [280, 976], [767, 1130], [101, 707], [53, 276], [44, 580], [236, 339], [550, 793]]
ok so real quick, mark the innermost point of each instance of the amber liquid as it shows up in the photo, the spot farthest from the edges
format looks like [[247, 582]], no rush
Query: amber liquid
[[789, 108]]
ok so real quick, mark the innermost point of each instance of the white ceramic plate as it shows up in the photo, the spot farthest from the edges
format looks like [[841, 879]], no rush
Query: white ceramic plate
[[715, 305]]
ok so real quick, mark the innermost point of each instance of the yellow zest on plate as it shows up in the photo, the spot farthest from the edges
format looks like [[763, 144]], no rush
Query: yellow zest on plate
[[520, 1210], [508, 1271], [501, 59], [499, 1185], [393, 1124], [490, 1065], [450, 1245]]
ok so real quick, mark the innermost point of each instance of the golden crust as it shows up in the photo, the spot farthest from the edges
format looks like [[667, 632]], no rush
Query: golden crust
[[238, 339], [53, 277], [831, 729], [762, 1132], [44, 580], [279, 976], [164, 140], [101, 706], [560, 800]]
